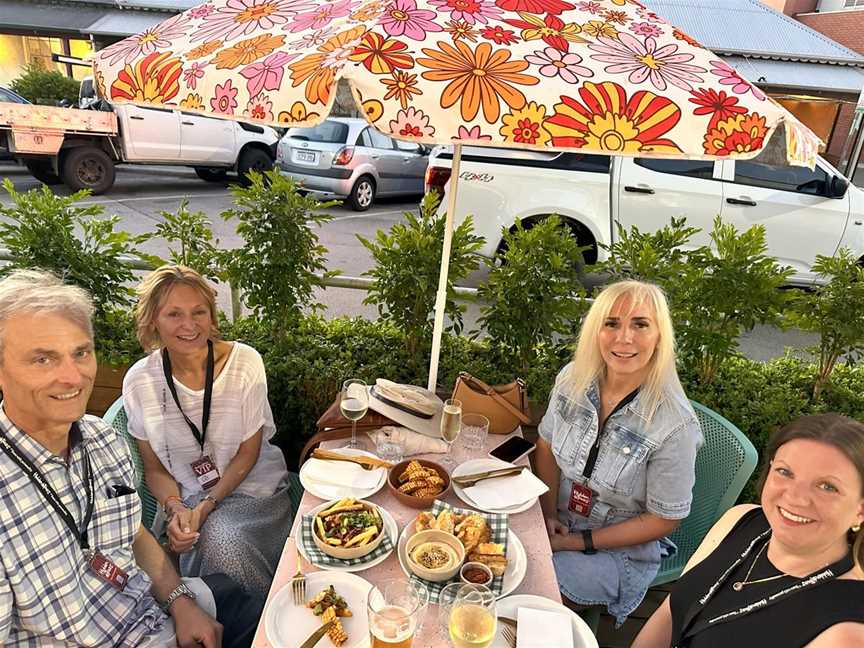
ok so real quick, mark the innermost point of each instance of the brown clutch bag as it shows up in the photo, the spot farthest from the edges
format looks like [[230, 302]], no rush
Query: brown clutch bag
[[506, 406]]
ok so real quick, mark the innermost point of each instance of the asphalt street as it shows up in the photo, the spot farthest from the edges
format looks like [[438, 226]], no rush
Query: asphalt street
[[141, 194]]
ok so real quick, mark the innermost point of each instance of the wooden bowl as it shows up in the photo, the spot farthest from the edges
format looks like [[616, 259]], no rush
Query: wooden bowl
[[440, 574], [348, 553], [411, 500]]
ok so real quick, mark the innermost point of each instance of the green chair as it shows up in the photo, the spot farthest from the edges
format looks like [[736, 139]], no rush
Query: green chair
[[116, 417], [723, 465]]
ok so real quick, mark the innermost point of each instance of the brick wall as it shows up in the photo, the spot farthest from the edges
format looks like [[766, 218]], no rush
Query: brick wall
[[845, 27], [841, 132]]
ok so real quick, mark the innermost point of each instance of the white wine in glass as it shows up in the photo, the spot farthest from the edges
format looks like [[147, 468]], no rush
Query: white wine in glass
[[451, 424], [472, 626], [353, 405]]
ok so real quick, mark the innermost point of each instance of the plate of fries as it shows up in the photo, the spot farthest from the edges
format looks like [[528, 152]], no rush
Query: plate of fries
[[348, 520]]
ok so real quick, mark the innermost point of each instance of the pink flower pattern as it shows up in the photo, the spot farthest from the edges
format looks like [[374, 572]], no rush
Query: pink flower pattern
[[402, 17], [152, 40], [312, 39], [322, 16], [194, 72], [645, 60], [202, 10], [646, 29], [730, 77], [471, 11], [266, 74], [411, 123], [471, 134], [241, 17], [553, 62], [590, 7], [225, 100], [260, 108]]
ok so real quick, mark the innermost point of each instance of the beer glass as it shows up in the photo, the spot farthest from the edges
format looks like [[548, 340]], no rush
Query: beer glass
[[395, 609]]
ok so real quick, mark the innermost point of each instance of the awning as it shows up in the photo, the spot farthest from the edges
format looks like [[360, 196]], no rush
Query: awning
[[125, 23], [800, 76], [26, 15]]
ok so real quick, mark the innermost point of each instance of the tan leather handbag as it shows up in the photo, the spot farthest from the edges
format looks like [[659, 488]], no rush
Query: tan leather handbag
[[506, 406]]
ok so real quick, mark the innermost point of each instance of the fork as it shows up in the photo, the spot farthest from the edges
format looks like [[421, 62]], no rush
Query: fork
[[508, 631], [298, 583]]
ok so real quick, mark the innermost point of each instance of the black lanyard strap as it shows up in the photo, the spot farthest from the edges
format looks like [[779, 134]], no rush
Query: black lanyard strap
[[50, 494], [588, 470], [208, 393]]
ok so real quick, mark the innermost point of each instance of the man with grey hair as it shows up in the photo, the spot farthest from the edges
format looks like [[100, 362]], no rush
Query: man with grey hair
[[76, 566]]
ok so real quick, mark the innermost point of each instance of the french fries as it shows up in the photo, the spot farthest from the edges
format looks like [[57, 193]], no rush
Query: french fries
[[348, 523]]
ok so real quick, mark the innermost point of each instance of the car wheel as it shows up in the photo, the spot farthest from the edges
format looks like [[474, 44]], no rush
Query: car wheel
[[211, 174], [253, 159], [43, 172], [88, 167], [362, 194]]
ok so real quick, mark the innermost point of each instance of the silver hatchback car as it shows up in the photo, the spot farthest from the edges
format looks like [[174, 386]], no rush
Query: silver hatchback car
[[343, 157]]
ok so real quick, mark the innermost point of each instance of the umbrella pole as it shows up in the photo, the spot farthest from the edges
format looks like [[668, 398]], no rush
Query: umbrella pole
[[441, 296]]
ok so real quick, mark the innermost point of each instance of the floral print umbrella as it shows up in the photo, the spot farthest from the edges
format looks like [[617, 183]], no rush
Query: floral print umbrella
[[601, 76]]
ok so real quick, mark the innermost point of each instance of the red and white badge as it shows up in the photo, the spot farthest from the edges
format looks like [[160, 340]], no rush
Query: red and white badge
[[206, 472], [107, 571], [581, 499]]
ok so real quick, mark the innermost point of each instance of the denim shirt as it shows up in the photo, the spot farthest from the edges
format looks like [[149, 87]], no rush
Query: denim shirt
[[641, 467]]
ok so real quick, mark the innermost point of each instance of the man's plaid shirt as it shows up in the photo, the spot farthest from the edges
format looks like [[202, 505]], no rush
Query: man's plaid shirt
[[48, 596]]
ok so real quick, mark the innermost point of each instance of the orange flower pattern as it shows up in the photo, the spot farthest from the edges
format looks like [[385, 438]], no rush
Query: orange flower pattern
[[601, 75]]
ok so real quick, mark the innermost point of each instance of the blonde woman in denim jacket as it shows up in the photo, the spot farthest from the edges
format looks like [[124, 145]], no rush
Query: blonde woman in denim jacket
[[617, 448]]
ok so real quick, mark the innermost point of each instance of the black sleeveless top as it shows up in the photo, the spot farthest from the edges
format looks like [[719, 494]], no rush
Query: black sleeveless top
[[790, 622]]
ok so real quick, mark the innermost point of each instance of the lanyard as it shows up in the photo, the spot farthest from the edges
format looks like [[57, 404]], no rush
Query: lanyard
[[588, 470], [51, 495], [692, 627], [208, 393]]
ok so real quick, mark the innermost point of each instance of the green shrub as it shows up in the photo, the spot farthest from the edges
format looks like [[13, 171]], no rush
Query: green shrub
[[277, 264], [833, 310], [405, 275], [534, 296], [197, 248], [45, 87], [39, 230]]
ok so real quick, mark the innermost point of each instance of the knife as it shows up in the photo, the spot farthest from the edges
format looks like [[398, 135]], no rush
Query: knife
[[315, 637], [470, 480]]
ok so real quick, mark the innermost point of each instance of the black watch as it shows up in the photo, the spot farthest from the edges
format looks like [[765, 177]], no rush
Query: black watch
[[588, 539]]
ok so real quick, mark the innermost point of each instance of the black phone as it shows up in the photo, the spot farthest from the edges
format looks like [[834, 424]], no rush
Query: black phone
[[512, 449]]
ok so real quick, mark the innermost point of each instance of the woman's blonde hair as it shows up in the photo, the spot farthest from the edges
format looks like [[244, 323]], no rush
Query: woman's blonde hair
[[152, 293], [588, 364]]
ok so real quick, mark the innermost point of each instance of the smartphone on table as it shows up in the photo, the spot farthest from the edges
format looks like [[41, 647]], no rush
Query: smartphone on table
[[512, 450]]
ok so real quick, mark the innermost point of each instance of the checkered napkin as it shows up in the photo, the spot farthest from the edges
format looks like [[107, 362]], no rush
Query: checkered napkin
[[497, 529], [318, 557]]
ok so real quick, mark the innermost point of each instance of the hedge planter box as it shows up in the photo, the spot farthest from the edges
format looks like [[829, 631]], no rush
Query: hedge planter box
[[106, 388]]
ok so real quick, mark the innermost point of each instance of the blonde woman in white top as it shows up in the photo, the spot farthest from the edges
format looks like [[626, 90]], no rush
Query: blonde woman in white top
[[198, 407]]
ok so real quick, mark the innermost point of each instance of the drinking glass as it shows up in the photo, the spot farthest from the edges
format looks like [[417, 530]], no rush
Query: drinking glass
[[395, 610], [388, 446], [451, 424], [353, 405], [472, 620], [475, 429]]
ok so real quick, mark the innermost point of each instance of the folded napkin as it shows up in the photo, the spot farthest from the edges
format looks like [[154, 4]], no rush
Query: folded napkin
[[407, 396], [543, 629], [413, 443], [342, 474], [505, 492]]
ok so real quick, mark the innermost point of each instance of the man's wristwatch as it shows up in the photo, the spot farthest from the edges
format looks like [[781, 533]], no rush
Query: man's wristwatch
[[181, 590], [588, 540]]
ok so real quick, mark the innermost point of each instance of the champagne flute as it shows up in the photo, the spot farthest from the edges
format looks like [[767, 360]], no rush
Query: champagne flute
[[353, 405], [451, 424], [473, 620]]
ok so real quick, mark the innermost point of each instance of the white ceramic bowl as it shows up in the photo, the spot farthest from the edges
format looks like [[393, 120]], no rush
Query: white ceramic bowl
[[438, 574], [348, 553]]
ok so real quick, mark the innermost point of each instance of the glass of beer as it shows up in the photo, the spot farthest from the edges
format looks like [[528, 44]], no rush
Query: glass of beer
[[451, 425], [472, 621], [395, 611]]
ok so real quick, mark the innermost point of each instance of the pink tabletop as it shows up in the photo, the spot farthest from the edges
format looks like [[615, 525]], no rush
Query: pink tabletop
[[528, 526]]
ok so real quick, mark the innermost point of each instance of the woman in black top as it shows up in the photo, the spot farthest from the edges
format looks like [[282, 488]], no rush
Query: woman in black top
[[787, 573]]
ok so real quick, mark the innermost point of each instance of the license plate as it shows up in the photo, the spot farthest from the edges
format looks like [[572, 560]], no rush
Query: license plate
[[305, 156]]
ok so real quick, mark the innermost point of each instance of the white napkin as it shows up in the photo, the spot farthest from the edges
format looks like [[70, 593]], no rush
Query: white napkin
[[543, 629], [504, 492], [413, 443], [342, 474]]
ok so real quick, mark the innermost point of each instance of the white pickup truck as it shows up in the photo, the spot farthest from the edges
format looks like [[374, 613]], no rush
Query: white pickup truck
[[81, 147], [804, 212]]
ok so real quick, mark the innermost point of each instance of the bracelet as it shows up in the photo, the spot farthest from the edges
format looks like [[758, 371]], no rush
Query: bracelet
[[181, 590], [210, 498], [168, 513], [588, 539]]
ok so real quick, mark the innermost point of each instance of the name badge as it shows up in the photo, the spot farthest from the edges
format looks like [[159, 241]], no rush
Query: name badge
[[206, 472], [107, 571], [581, 499]]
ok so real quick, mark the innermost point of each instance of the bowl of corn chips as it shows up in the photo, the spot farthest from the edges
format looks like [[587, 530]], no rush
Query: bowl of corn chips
[[348, 528], [418, 483]]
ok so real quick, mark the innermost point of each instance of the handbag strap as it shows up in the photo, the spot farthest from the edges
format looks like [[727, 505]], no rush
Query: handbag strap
[[481, 386]]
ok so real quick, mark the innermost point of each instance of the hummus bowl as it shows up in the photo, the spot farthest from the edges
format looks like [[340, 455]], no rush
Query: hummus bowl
[[434, 555]]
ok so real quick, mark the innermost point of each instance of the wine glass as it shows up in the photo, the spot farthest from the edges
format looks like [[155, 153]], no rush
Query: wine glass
[[472, 620], [451, 424], [395, 608], [353, 405]]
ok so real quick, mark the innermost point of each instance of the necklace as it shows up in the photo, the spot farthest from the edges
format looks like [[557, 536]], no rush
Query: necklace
[[740, 585]]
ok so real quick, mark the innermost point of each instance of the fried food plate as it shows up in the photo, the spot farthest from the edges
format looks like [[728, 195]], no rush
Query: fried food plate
[[287, 624]]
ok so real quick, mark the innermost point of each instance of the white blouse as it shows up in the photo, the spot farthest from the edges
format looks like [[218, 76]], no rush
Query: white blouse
[[238, 410]]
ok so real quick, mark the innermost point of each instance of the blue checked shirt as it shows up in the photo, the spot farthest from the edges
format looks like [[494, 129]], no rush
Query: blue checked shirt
[[48, 596]]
